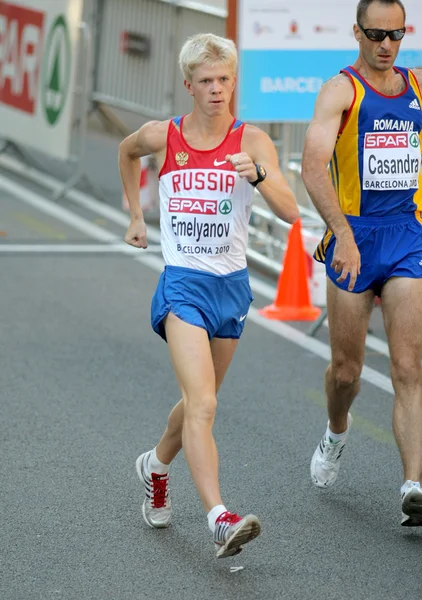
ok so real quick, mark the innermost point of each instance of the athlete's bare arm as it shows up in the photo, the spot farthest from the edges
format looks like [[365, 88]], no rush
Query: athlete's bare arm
[[149, 139], [257, 148], [334, 100]]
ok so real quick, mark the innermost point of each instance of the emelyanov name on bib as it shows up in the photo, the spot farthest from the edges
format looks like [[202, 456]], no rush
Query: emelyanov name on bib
[[198, 231]]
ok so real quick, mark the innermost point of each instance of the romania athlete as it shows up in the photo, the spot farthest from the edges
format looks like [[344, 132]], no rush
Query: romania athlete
[[367, 122], [210, 163]]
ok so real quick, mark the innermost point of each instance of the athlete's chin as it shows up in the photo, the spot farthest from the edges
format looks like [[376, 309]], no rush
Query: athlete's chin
[[217, 108], [384, 63]]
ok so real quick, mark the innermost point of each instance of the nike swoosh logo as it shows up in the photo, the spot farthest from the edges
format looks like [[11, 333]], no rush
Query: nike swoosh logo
[[242, 318], [218, 163]]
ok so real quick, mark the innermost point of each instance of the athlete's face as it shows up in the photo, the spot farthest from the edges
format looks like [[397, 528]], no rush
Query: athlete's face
[[212, 88], [380, 56]]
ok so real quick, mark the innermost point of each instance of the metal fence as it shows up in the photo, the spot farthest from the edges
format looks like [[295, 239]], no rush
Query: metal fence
[[146, 79]]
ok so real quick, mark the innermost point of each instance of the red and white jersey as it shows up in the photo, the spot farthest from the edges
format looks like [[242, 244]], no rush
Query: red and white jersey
[[204, 205]]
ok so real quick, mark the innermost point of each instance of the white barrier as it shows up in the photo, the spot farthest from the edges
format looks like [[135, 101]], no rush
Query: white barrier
[[148, 188], [38, 56], [317, 277]]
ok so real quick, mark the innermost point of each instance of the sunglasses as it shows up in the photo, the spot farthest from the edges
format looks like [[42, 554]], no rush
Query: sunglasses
[[379, 35]]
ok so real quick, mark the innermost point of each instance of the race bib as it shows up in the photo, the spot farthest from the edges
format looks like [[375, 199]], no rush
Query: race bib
[[201, 226], [391, 161]]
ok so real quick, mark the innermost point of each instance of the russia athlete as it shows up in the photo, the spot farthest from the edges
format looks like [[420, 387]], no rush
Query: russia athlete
[[367, 122], [209, 165]]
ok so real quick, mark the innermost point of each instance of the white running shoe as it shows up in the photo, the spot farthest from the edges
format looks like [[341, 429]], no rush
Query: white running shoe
[[156, 507], [232, 531], [411, 504], [325, 463]]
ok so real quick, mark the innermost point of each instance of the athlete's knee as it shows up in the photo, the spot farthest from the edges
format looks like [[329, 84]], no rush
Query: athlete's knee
[[406, 370], [344, 372], [201, 408]]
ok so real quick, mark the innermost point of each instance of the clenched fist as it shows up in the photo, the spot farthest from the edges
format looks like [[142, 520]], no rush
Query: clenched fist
[[136, 234], [243, 164]]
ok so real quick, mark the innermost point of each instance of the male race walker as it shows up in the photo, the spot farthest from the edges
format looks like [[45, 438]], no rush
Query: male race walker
[[367, 122], [209, 165]]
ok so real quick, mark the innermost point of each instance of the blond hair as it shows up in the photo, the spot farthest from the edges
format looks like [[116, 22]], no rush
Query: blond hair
[[206, 48]]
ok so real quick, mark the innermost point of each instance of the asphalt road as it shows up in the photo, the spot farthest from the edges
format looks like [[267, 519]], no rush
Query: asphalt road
[[86, 386]]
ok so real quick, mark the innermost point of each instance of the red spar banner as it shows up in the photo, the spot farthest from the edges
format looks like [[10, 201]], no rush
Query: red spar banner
[[21, 40]]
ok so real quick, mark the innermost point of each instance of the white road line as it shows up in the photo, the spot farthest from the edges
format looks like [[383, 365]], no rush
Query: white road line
[[58, 212], [266, 290], [35, 248], [154, 262], [76, 196], [316, 347]]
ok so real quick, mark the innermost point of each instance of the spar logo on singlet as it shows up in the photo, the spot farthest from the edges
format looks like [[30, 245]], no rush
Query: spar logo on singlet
[[193, 206], [391, 160], [201, 226]]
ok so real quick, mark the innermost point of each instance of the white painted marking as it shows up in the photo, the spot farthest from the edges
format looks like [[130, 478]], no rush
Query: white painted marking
[[316, 347], [59, 212], [374, 343], [121, 248], [76, 196], [266, 290], [154, 262]]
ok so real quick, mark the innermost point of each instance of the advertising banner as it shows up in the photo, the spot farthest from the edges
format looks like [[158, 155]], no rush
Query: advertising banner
[[38, 55], [289, 48]]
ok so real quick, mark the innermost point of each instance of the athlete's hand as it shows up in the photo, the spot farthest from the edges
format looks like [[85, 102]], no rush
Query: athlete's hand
[[346, 260], [136, 234], [243, 164]]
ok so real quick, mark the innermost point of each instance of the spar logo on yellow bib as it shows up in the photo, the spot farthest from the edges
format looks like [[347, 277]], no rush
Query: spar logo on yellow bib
[[391, 161]]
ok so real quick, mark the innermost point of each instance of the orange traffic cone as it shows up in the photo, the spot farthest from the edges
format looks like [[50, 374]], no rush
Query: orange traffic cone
[[292, 302]]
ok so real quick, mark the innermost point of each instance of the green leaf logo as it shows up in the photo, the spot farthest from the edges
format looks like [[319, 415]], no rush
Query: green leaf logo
[[414, 140], [225, 207], [56, 70]]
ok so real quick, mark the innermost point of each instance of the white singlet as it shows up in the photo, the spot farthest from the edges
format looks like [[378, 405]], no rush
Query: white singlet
[[204, 205]]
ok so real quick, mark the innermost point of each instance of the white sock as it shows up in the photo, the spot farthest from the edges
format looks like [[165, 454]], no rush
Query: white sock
[[335, 437], [409, 484], [155, 466], [214, 514]]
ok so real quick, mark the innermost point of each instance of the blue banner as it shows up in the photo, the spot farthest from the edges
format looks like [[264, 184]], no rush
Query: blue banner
[[282, 85]]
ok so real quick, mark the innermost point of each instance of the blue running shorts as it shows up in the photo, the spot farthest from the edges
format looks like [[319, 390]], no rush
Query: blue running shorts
[[217, 303], [389, 247]]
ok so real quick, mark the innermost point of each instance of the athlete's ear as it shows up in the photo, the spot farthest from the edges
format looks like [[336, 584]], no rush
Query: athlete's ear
[[188, 86], [357, 32]]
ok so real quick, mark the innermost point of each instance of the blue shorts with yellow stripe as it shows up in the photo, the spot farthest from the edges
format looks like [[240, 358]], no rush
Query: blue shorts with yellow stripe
[[389, 247]]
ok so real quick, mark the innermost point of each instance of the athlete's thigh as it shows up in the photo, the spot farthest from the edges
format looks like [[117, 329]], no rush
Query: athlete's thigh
[[222, 350], [348, 319], [402, 310], [191, 357]]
